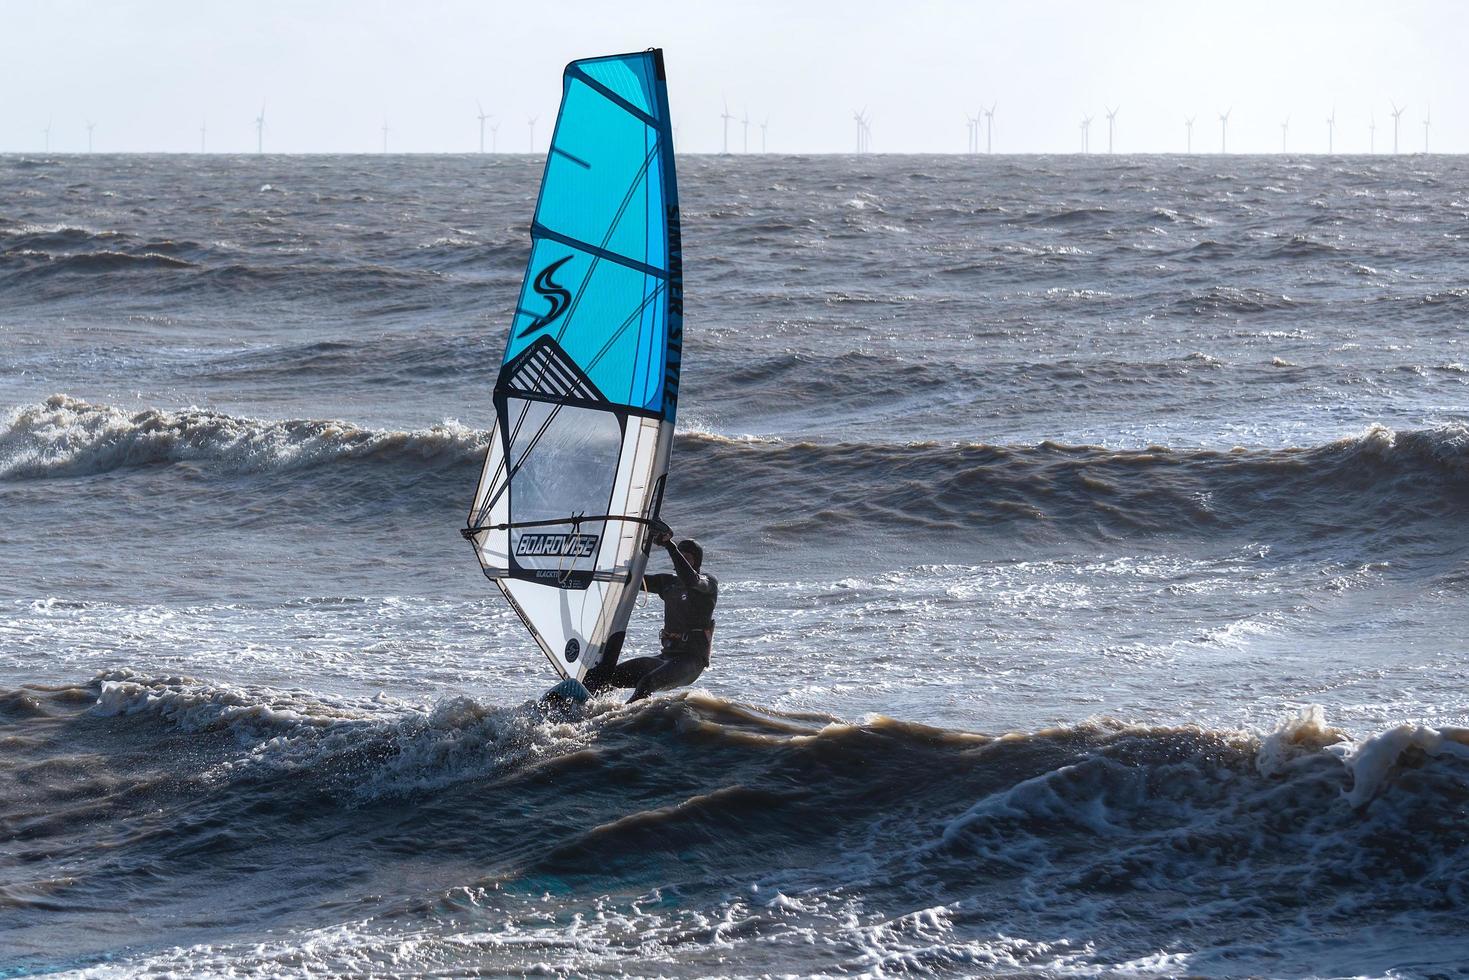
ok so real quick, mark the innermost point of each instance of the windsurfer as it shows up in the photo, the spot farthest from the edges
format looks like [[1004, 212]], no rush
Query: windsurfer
[[688, 625]]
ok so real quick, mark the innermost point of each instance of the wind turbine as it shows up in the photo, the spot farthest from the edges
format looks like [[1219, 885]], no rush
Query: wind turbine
[[726, 117], [1284, 132], [1372, 134], [1396, 115], [1086, 134], [531, 122], [494, 137], [260, 130], [482, 117], [746, 123], [1188, 127], [47, 131], [1224, 130], [763, 126], [969, 128], [1111, 120], [1331, 131], [989, 128], [90, 126], [1427, 119], [385, 134], [861, 121], [203, 130]]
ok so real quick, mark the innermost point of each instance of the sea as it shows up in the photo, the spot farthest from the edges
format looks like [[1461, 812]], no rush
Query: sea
[[1092, 542]]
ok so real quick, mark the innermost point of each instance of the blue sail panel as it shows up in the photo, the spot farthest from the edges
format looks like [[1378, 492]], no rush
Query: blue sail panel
[[633, 78], [600, 281]]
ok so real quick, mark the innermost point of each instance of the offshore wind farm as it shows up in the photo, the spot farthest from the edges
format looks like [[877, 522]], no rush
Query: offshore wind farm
[[1307, 65], [979, 133]]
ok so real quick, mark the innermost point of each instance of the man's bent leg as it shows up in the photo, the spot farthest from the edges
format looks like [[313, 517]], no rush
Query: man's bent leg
[[671, 672], [599, 678], [632, 672]]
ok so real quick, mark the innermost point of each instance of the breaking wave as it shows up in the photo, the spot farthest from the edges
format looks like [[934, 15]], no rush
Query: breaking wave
[[1381, 481], [698, 794], [66, 437]]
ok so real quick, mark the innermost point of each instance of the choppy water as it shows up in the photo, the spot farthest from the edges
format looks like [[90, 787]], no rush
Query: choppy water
[[1091, 533]]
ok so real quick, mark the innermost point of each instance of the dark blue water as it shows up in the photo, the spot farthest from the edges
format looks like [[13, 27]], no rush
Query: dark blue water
[[1159, 464]]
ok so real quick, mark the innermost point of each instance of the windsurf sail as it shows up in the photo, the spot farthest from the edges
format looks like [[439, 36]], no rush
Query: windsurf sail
[[585, 400]]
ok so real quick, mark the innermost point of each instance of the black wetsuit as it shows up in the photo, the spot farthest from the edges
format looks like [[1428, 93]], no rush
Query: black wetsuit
[[688, 622]]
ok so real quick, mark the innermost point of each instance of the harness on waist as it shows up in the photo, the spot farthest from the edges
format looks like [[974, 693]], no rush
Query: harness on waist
[[669, 638]]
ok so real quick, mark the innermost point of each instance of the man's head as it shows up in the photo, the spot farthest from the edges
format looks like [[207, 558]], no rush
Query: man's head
[[692, 551]]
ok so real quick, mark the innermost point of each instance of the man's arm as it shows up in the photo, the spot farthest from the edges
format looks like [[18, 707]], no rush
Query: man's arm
[[687, 574], [662, 534], [656, 583]]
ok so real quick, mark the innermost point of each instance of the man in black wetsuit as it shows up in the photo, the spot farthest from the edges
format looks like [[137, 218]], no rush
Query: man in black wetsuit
[[688, 624]]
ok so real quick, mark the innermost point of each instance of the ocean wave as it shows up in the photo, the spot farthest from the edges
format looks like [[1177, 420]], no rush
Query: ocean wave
[[313, 278], [66, 437], [293, 730], [1456, 298], [61, 249], [31, 255], [783, 379], [140, 788], [1195, 800], [29, 235], [1379, 482], [1228, 301], [376, 360], [1068, 216], [1302, 247], [1179, 217], [93, 262]]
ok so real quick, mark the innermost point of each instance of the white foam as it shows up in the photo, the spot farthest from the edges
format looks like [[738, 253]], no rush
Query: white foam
[[1445, 445], [65, 436], [1373, 760], [1297, 737], [250, 713]]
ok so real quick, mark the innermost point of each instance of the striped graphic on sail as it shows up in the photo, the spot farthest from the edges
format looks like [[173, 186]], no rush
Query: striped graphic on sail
[[585, 400]]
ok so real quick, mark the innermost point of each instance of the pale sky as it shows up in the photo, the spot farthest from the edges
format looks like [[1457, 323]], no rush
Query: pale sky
[[330, 72]]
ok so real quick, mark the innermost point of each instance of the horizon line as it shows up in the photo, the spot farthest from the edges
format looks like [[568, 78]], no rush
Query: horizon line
[[717, 153]]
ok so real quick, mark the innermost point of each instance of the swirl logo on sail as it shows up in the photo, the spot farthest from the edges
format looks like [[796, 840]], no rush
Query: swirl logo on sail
[[555, 294]]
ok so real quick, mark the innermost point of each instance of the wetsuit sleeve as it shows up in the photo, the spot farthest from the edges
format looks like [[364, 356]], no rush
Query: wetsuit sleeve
[[656, 583], [691, 579]]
